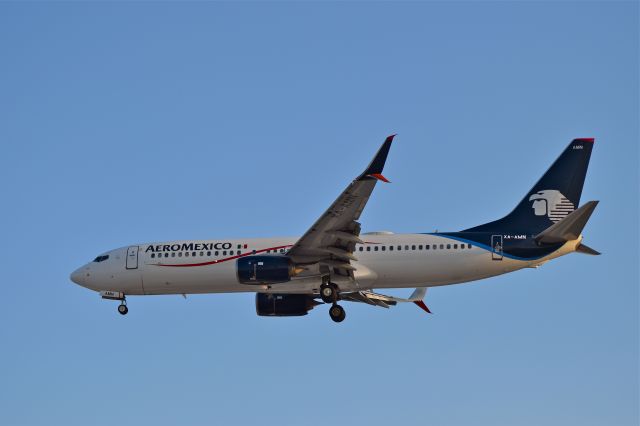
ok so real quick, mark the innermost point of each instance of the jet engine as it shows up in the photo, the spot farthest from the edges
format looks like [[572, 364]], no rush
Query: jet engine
[[265, 269], [284, 305]]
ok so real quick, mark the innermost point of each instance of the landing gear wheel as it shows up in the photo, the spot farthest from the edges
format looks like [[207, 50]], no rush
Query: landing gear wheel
[[329, 293], [337, 313], [123, 309]]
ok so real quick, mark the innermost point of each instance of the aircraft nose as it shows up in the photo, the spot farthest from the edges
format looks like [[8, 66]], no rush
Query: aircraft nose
[[77, 276]]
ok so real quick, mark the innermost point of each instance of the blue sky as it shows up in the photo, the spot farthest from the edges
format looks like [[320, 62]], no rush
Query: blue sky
[[132, 122]]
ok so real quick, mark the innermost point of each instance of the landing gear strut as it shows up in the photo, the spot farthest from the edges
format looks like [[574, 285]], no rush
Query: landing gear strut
[[337, 313], [122, 308]]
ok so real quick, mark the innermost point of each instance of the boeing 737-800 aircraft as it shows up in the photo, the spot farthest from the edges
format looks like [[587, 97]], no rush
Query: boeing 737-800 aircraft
[[334, 262]]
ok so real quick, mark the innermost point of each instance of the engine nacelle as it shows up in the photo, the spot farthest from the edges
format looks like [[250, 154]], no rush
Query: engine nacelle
[[272, 269], [284, 305]]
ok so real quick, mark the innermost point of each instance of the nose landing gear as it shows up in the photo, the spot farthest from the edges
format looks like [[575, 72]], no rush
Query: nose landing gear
[[116, 295], [122, 308]]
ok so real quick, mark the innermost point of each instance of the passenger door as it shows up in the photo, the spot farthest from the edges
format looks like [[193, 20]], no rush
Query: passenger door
[[132, 257]]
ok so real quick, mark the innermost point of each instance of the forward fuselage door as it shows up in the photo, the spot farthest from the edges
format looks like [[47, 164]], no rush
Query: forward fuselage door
[[496, 247], [132, 257]]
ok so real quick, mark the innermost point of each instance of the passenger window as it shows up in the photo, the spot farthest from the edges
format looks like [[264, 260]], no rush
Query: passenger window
[[216, 253], [406, 247], [455, 246], [208, 253], [427, 247], [360, 248], [468, 245], [413, 247], [462, 246], [166, 255], [173, 254], [384, 248], [448, 246], [435, 247], [179, 254], [224, 253], [239, 246], [399, 247], [153, 255], [186, 254], [420, 247], [368, 248], [441, 246], [375, 248], [390, 248], [201, 253]]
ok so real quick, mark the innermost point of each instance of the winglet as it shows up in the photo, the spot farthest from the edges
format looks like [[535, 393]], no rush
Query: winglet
[[417, 296], [422, 306], [374, 170]]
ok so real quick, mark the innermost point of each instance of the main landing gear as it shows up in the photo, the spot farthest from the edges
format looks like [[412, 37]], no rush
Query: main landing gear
[[329, 294], [337, 313]]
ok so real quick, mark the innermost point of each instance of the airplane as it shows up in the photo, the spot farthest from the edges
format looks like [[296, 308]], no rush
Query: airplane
[[334, 262]]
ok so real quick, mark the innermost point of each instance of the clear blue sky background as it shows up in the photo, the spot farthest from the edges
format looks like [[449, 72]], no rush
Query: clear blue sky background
[[134, 122]]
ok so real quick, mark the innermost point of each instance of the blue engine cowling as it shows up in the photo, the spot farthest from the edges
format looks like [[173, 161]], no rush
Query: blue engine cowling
[[284, 305], [272, 269]]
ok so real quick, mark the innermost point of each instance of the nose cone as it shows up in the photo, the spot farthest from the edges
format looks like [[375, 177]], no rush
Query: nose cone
[[77, 276]]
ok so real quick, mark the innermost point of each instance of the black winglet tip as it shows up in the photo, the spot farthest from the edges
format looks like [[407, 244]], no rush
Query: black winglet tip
[[389, 138], [377, 164]]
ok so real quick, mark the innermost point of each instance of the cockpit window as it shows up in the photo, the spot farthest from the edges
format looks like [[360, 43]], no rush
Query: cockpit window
[[101, 258]]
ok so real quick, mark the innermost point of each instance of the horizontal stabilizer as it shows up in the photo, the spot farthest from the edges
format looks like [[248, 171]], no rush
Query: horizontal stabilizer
[[587, 250], [569, 228]]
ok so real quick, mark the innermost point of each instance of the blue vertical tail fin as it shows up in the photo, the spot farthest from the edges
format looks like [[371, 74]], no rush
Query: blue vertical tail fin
[[552, 198]]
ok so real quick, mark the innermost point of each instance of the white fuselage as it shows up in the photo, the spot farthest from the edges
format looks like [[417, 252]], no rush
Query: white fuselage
[[209, 266]]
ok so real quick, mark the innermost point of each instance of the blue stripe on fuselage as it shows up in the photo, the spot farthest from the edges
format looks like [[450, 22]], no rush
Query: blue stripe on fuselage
[[454, 236]]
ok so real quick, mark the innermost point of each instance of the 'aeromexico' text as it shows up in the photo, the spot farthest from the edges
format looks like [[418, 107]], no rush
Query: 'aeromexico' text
[[188, 247]]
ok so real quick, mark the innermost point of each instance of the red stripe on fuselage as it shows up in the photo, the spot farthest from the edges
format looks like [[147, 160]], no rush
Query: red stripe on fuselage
[[214, 262]]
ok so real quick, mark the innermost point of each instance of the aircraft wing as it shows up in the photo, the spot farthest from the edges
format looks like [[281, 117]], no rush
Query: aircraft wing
[[384, 301], [332, 238]]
